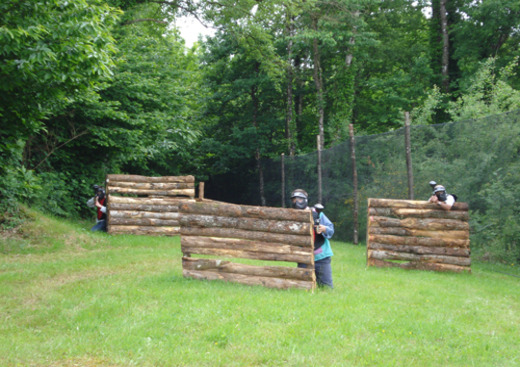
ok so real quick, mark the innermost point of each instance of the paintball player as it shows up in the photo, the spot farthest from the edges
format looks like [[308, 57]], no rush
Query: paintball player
[[99, 202], [323, 231], [441, 197]]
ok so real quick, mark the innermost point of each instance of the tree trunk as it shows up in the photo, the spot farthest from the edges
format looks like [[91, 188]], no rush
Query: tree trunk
[[254, 100], [318, 81], [445, 46], [355, 183], [289, 130], [408, 149]]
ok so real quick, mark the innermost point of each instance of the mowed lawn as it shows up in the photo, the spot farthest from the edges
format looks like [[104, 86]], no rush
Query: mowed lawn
[[74, 298]]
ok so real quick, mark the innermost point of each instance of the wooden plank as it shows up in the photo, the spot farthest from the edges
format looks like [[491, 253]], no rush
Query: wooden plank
[[393, 255], [290, 239], [242, 254], [138, 178], [244, 245], [250, 280], [413, 204], [251, 224], [422, 250], [283, 272], [245, 211], [419, 266]]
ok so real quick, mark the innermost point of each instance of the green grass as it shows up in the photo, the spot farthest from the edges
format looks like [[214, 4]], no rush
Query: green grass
[[74, 298]]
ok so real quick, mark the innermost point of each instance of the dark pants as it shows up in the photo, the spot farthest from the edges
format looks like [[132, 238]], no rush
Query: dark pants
[[101, 225], [323, 271]]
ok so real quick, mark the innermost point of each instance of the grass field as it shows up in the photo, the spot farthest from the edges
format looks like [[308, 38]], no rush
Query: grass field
[[74, 298]]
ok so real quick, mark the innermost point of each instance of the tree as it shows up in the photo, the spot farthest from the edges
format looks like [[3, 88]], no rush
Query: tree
[[51, 54]]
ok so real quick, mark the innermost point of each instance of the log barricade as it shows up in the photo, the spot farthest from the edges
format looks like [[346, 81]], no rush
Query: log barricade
[[247, 232], [146, 205], [414, 234]]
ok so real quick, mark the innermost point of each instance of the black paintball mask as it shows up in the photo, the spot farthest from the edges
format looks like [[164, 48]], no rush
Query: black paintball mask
[[440, 192], [299, 199], [99, 191]]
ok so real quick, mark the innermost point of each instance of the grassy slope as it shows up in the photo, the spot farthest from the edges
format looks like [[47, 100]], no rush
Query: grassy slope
[[75, 298]]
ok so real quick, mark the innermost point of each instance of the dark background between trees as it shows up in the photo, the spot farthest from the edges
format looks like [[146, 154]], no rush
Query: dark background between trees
[[92, 87]]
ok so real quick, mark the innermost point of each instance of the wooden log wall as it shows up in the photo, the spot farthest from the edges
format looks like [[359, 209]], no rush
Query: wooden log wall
[[247, 232], [152, 207], [413, 234]]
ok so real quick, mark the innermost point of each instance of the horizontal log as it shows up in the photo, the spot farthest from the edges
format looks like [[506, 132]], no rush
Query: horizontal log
[[135, 214], [375, 229], [419, 213], [172, 192], [421, 223], [241, 254], [153, 185], [421, 250], [418, 241], [415, 204], [144, 222], [448, 235], [283, 272], [419, 266], [147, 200], [392, 255], [252, 224], [244, 245], [143, 208], [246, 211], [143, 230], [289, 239], [138, 178], [250, 280]]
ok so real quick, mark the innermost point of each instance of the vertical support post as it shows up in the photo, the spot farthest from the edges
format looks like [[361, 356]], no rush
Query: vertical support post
[[320, 193], [408, 154], [355, 183], [201, 190], [283, 180]]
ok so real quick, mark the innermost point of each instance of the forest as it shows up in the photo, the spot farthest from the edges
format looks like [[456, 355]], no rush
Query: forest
[[96, 87]]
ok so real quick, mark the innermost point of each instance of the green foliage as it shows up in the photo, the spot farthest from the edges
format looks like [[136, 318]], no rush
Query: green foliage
[[489, 93], [51, 51]]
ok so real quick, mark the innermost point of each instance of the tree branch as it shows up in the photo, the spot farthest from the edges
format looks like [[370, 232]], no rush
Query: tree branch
[[59, 146], [128, 22]]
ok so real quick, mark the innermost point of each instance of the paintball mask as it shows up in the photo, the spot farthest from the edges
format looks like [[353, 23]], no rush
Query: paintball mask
[[299, 199]]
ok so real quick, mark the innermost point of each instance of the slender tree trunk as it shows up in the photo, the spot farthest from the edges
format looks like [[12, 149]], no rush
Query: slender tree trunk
[[351, 43], [445, 46], [318, 81], [289, 130], [283, 179], [320, 181], [355, 184], [408, 148], [299, 69], [254, 99]]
